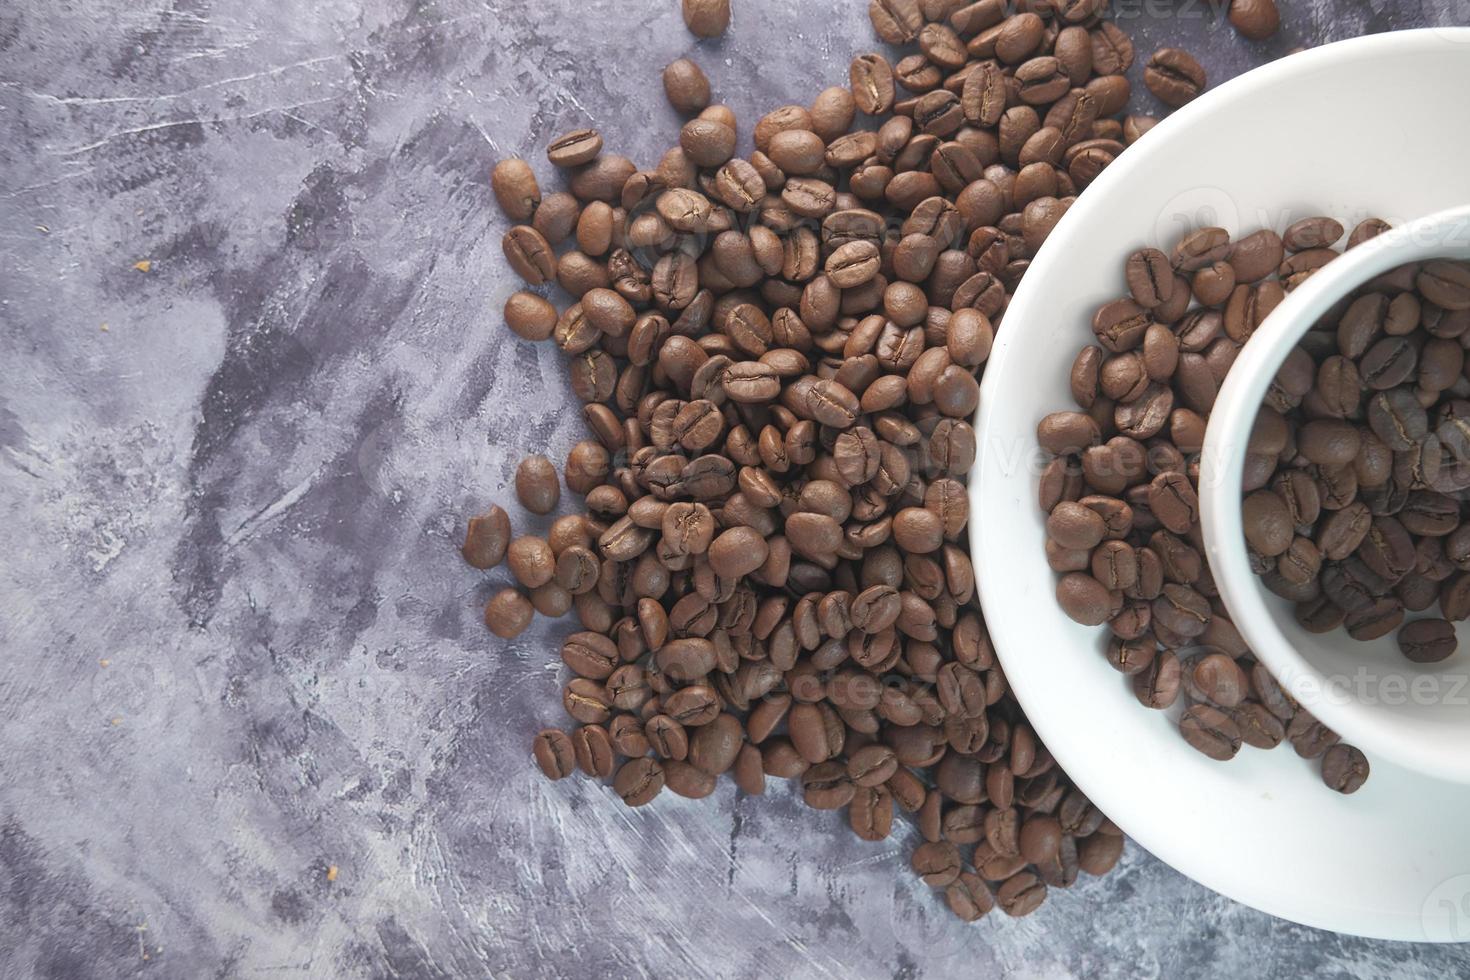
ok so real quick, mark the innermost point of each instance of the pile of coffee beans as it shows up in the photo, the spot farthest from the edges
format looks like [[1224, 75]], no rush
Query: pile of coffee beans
[[778, 356], [1121, 492], [1359, 461]]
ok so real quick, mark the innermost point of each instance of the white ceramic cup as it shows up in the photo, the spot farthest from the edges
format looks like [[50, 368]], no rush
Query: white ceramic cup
[[1417, 715]]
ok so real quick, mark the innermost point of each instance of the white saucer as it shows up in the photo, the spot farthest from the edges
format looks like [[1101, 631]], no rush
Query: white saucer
[[1345, 130]]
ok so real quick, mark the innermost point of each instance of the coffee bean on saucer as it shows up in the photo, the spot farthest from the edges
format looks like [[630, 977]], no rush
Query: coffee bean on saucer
[[1344, 769]]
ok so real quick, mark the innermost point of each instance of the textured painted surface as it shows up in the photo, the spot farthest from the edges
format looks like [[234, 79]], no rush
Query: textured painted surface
[[238, 646]]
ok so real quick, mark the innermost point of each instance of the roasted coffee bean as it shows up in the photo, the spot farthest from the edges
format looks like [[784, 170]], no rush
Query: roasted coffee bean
[[706, 18], [594, 751], [529, 254], [575, 148], [1256, 20], [1150, 278], [537, 486], [686, 86], [554, 753], [1211, 732], [1427, 641], [871, 78], [1174, 77], [1310, 737], [638, 781], [938, 863], [515, 188], [827, 786], [1344, 768], [487, 538], [969, 897], [508, 613], [1021, 894], [896, 21]]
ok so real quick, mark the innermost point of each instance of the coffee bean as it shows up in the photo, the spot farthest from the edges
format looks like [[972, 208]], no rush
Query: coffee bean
[[508, 613], [1310, 233], [537, 485], [529, 255], [826, 786], [1085, 599], [871, 78], [1021, 894], [1344, 769], [554, 753], [938, 863], [1256, 20], [515, 188], [1427, 641], [1211, 732], [638, 781], [968, 897], [1174, 77], [487, 538], [1445, 283], [594, 751], [706, 18], [1310, 737], [686, 86], [575, 148], [1267, 520], [1150, 278]]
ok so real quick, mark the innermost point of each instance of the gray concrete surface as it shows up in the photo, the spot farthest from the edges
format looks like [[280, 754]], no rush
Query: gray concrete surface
[[237, 648]]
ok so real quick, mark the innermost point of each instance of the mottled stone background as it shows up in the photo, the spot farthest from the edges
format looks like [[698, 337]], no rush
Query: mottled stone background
[[252, 378]]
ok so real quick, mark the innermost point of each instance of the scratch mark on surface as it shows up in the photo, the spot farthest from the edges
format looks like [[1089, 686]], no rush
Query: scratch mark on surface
[[87, 100], [270, 511], [88, 147]]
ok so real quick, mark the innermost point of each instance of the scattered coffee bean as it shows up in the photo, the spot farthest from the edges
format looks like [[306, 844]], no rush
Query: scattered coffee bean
[[1344, 769], [554, 753], [1174, 77], [638, 781], [1256, 20], [508, 613], [707, 18], [515, 188], [575, 148], [538, 487], [487, 539]]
